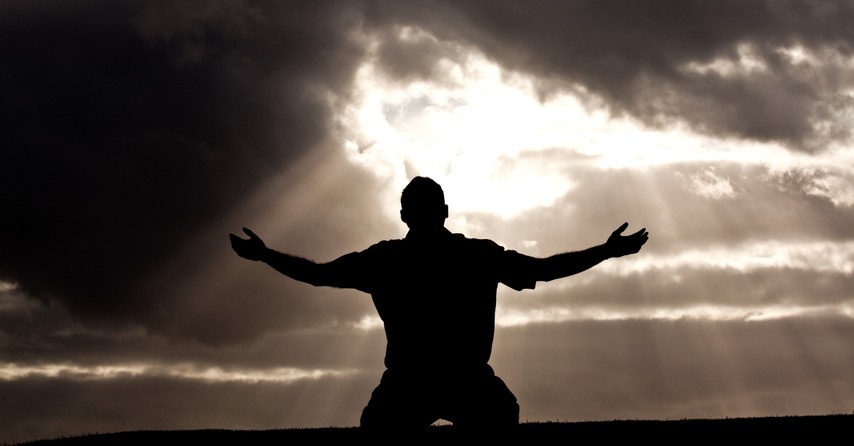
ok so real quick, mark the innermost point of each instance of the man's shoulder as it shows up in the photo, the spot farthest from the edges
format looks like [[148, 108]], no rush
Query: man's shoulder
[[460, 241], [385, 245], [476, 243]]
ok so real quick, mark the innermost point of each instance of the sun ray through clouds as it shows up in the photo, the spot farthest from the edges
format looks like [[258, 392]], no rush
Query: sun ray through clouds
[[510, 157], [480, 130]]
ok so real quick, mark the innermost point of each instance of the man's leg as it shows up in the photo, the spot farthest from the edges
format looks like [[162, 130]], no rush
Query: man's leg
[[486, 404], [398, 404]]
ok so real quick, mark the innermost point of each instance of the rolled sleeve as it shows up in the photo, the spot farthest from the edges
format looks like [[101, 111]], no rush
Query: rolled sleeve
[[516, 270]]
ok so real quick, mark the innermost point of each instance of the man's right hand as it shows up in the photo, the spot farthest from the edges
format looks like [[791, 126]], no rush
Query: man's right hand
[[252, 248], [620, 245]]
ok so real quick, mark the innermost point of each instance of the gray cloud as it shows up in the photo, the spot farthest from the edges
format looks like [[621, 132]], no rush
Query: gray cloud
[[751, 292], [632, 55], [766, 205], [598, 371], [680, 369], [47, 408], [33, 334]]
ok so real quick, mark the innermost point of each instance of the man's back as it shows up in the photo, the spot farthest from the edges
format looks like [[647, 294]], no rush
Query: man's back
[[435, 292], [436, 295]]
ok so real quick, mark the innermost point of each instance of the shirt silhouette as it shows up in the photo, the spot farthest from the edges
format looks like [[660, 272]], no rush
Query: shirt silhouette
[[435, 293]]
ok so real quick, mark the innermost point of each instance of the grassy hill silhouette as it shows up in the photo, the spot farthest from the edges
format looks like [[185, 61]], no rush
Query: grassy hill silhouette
[[816, 429]]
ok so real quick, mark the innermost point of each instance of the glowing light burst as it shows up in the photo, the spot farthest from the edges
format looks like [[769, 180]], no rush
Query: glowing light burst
[[498, 147], [479, 135]]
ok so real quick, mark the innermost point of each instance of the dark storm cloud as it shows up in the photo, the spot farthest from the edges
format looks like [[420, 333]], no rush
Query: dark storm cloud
[[33, 334], [126, 126], [409, 56], [634, 55]]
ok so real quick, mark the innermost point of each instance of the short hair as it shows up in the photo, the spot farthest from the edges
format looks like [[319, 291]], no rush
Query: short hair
[[422, 193]]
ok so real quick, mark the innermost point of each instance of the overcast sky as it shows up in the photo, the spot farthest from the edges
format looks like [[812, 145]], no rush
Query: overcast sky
[[135, 135]]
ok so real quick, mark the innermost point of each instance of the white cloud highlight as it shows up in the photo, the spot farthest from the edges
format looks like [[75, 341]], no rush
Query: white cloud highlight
[[838, 189], [520, 317], [818, 257], [708, 184], [821, 256], [745, 60], [478, 133], [497, 147], [7, 286], [11, 372]]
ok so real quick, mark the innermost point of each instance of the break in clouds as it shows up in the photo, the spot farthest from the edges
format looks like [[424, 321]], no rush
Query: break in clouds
[[763, 70]]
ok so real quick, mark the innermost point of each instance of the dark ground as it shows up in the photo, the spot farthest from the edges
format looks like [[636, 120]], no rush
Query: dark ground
[[825, 429]]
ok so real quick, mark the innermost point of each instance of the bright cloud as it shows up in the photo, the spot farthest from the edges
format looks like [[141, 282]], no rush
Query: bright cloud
[[742, 260], [11, 371], [480, 135], [507, 317], [709, 184], [497, 146], [839, 189], [746, 60], [836, 257], [6, 286]]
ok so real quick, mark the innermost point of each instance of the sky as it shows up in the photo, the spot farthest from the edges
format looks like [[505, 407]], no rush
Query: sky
[[135, 135]]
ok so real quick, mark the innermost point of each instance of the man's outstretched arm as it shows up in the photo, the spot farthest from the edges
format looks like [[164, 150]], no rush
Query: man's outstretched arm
[[294, 267], [567, 264]]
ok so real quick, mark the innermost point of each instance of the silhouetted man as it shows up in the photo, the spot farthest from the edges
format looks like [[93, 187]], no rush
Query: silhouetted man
[[435, 293]]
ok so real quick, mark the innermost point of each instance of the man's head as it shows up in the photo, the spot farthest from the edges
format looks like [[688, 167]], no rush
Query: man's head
[[422, 204]]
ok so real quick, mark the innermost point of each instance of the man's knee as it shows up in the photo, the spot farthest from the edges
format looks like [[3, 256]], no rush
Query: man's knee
[[396, 409]]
